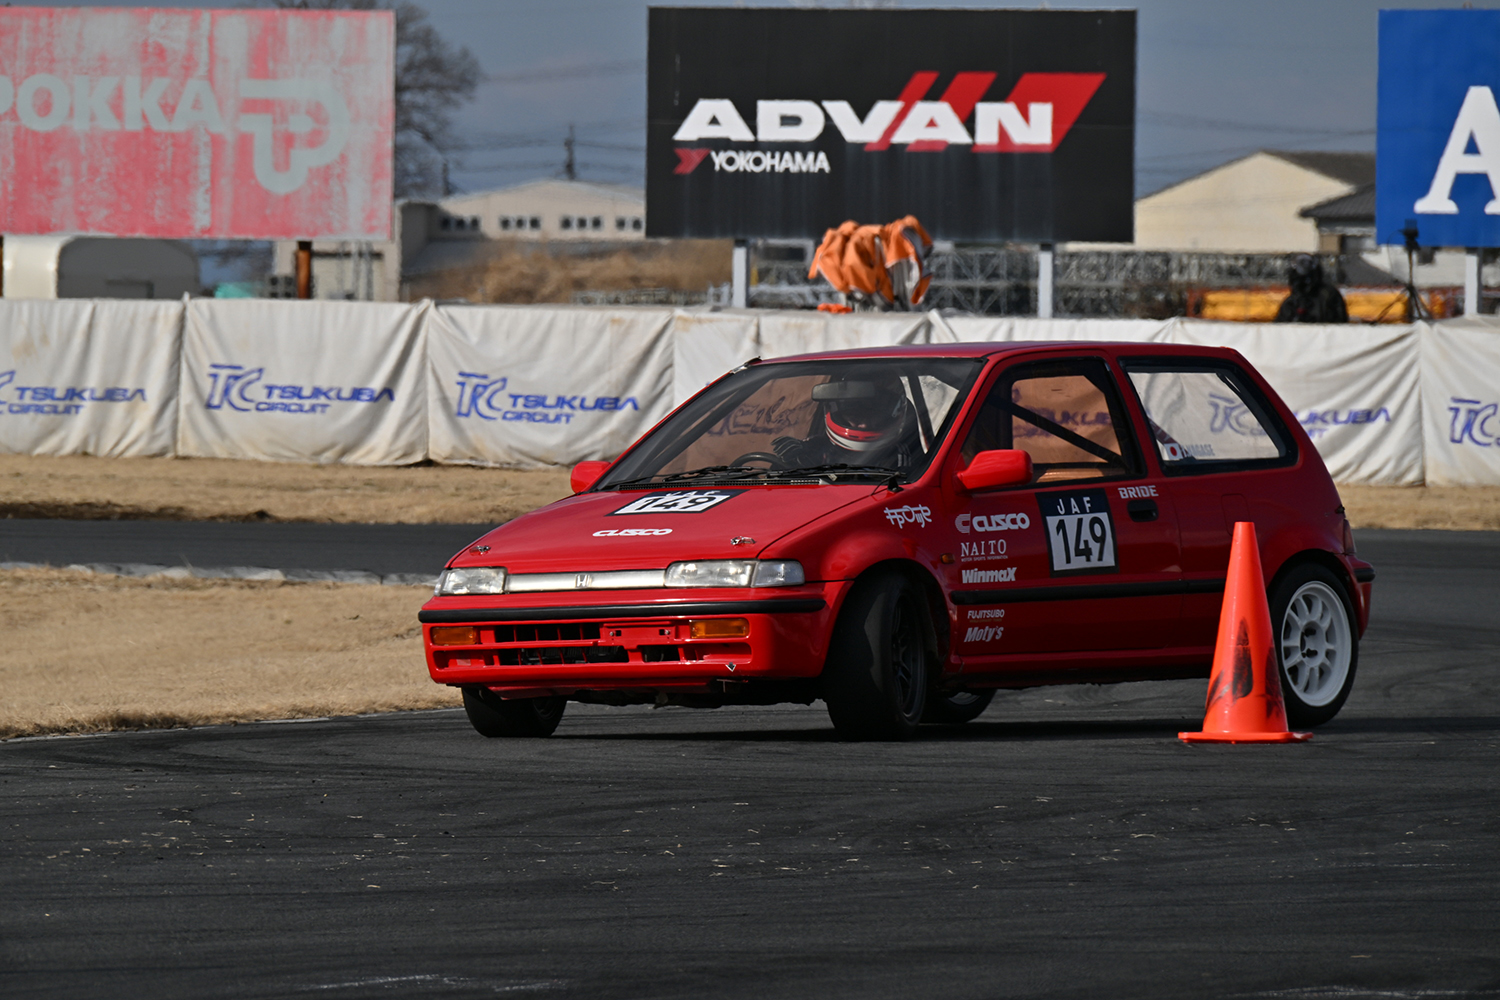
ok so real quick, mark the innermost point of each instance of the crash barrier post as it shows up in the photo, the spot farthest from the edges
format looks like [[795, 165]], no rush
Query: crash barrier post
[[1244, 702], [390, 383]]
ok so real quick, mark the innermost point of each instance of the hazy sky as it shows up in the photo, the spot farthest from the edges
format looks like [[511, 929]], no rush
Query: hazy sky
[[1217, 79]]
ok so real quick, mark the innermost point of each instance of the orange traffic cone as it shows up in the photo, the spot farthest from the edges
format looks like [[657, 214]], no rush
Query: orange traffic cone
[[1244, 690]]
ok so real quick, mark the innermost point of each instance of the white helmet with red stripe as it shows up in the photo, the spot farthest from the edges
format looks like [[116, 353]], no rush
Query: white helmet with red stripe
[[863, 415]]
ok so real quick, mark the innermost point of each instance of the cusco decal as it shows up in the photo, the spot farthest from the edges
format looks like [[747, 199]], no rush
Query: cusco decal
[[1080, 531], [630, 532], [676, 502]]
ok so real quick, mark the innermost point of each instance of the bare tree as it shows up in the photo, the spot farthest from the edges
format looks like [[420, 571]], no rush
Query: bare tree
[[433, 79]]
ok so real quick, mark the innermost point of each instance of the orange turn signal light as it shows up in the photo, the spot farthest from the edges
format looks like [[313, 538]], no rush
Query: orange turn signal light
[[455, 635], [719, 628]]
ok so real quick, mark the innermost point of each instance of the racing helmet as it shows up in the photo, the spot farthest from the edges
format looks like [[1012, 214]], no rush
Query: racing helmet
[[863, 414]]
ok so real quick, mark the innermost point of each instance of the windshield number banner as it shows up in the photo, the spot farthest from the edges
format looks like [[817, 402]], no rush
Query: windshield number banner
[[1080, 531]]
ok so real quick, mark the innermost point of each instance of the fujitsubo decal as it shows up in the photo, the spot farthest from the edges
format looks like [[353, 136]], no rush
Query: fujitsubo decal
[[1007, 575], [677, 502], [976, 614], [631, 532], [982, 523], [1080, 531], [919, 514]]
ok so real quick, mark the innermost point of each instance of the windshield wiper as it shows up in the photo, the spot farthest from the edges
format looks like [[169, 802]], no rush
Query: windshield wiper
[[707, 473], [891, 476]]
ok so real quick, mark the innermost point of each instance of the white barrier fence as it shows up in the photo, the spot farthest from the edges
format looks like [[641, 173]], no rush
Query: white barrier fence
[[387, 384]]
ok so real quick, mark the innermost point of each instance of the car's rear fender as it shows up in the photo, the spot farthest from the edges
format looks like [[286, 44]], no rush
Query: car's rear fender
[[1338, 567]]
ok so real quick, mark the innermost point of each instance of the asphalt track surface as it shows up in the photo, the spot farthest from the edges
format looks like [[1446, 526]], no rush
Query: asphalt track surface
[[372, 548], [1064, 845]]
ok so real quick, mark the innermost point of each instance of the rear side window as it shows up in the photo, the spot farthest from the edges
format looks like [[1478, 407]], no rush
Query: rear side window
[[1207, 416]]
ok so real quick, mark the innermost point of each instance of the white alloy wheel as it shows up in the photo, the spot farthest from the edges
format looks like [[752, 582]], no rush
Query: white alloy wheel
[[1316, 644]]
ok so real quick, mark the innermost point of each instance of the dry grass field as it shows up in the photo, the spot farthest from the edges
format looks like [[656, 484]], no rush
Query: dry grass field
[[89, 653]]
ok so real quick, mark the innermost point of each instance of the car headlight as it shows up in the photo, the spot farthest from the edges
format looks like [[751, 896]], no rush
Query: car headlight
[[735, 573], [471, 580]]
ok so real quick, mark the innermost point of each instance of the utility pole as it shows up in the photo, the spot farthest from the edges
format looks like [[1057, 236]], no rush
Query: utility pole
[[570, 167]]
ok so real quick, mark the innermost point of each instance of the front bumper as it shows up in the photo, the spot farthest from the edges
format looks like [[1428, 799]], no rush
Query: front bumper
[[537, 644]]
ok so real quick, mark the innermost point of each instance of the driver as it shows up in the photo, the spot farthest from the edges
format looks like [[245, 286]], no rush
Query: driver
[[863, 422]]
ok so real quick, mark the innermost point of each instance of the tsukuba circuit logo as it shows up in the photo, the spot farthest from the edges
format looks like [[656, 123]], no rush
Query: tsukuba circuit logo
[[58, 400], [247, 390], [491, 398], [1034, 117]]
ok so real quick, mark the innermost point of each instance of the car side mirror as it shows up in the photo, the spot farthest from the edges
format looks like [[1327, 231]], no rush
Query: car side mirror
[[1001, 467], [586, 474]]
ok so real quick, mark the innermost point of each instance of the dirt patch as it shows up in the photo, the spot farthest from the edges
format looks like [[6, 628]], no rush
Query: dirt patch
[[1453, 508], [525, 272], [192, 489], [87, 653]]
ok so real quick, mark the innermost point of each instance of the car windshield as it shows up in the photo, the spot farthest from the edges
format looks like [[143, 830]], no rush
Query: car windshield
[[807, 421]]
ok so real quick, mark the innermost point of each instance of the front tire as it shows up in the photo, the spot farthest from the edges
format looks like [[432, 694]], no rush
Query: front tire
[[960, 706], [491, 715], [875, 681], [1317, 644]]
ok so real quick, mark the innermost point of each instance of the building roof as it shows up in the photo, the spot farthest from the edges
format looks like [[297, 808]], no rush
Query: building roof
[[1356, 206], [583, 187], [1352, 168]]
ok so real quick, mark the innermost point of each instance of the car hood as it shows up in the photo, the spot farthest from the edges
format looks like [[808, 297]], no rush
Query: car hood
[[639, 529]]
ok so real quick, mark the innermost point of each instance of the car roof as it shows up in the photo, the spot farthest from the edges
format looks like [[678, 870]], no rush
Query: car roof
[[992, 349]]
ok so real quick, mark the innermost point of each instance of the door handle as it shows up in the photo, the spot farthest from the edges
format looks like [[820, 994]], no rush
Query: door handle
[[1142, 510]]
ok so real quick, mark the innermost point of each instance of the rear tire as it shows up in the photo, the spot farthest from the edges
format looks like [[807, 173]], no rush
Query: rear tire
[[491, 715], [875, 681], [1317, 644], [960, 706]]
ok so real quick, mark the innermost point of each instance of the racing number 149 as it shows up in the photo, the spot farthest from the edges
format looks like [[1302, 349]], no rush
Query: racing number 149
[[1080, 532]]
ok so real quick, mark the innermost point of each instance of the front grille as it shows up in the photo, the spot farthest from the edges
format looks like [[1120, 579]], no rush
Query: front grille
[[546, 633], [530, 656], [660, 654]]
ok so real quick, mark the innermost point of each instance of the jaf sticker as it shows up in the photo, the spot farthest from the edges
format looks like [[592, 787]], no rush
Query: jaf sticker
[[1080, 531], [677, 502]]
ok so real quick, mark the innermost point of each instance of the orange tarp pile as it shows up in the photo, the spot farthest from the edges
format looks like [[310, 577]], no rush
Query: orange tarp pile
[[881, 267]]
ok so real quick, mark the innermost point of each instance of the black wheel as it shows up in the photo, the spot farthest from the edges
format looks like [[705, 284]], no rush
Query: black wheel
[[772, 460], [960, 706], [1317, 644], [491, 715], [875, 681]]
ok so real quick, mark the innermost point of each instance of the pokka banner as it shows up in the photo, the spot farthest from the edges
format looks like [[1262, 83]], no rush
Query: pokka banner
[[319, 381], [89, 377], [985, 124], [544, 386], [235, 124]]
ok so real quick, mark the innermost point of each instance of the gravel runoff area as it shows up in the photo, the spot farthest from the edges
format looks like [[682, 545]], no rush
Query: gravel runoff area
[[178, 489], [87, 652]]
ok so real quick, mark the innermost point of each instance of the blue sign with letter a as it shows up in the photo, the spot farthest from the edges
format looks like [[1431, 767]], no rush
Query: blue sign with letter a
[[1437, 161]]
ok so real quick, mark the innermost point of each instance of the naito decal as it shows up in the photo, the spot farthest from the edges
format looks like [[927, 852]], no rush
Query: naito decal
[[1080, 531], [919, 514], [676, 502]]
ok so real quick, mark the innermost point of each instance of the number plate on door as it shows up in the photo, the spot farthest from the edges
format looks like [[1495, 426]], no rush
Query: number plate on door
[[1080, 531]]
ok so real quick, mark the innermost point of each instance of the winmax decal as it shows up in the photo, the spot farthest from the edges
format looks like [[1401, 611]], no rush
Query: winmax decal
[[677, 502]]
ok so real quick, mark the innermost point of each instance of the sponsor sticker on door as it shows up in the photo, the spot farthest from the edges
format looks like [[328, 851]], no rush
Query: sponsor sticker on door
[[1080, 531]]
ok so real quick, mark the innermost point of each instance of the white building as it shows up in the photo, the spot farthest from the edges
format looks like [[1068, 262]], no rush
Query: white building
[[460, 231]]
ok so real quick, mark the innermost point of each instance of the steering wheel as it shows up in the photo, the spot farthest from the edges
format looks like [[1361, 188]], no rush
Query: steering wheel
[[771, 459]]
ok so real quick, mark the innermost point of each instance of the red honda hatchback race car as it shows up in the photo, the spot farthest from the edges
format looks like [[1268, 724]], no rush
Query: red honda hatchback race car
[[902, 531]]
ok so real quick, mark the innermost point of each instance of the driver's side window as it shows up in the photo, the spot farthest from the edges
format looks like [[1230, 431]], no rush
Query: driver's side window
[[1065, 414]]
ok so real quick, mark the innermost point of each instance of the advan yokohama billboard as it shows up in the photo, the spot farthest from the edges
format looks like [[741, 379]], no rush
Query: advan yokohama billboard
[[196, 123], [987, 125]]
